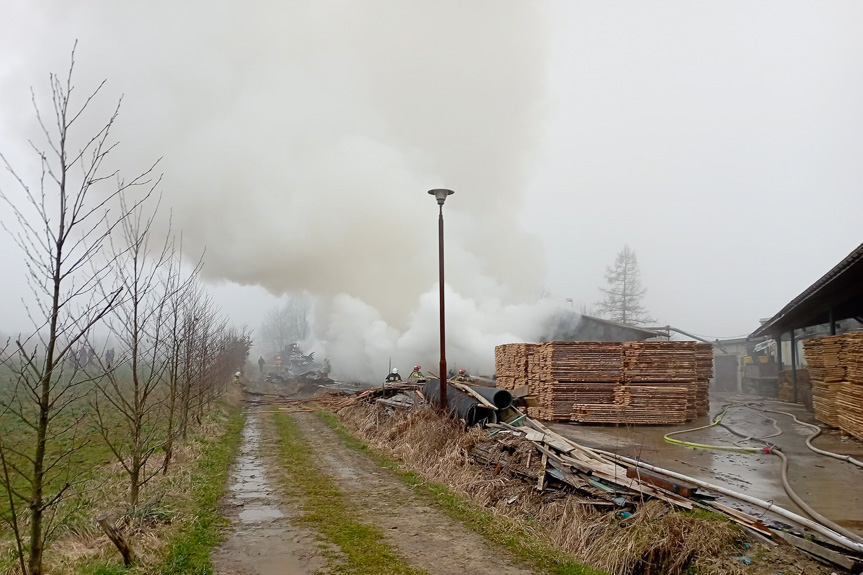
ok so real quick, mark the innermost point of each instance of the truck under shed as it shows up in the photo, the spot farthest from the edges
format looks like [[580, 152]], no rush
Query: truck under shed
[[837, 295]]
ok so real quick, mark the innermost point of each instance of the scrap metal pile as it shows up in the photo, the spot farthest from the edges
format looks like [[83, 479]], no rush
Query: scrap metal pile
[[836, 371], [610, 382]]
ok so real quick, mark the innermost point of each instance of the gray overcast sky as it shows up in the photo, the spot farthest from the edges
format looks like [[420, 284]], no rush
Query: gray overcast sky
[[719, 140]]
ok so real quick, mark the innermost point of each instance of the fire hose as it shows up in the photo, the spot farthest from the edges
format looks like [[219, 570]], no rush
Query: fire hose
[[830, 534], [774, 450]]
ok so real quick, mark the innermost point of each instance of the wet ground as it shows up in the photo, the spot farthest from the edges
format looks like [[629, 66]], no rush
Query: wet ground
[[833, 488], [263, 540]]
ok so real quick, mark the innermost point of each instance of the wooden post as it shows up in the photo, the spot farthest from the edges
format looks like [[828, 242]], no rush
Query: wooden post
[[117, 538]]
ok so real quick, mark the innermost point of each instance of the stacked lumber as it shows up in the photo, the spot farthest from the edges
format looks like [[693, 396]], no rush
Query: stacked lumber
[[786, 385], [703, 375], [637, 404], [834, 363], [821, 400], [512, 363], [664, 363], [849, 401], [610, 382]]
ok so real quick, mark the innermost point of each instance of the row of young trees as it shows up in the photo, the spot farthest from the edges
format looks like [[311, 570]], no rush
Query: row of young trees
[[98, 272]]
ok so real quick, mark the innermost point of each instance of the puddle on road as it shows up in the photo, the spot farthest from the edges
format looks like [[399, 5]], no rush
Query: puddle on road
[[250, 489]]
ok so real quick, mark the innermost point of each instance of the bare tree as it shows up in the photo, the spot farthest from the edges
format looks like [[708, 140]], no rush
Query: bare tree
[[623, 294], [179, 289], [127, 407], [286, 324], [62, 224]]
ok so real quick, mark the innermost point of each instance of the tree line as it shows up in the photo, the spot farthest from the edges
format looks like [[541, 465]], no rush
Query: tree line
[[98, 272]]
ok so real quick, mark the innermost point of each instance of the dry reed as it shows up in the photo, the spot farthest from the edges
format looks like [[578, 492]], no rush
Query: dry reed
[[654, 540]]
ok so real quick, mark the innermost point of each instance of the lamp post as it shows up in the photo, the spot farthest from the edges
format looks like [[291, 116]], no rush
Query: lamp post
[[441, 196]]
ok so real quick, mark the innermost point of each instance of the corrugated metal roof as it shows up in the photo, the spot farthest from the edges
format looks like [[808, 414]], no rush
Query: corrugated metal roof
[[825, 294]]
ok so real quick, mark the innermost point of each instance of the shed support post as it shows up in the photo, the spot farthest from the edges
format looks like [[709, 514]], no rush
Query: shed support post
[[832, 323], [779, 350], [794, 365]]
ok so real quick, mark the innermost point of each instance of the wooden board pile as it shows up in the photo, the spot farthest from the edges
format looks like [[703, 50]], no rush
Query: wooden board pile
[[786, 385], [511, 364], [834, 366], [849, 401], [826, 376], [610, 382], [703, 374]]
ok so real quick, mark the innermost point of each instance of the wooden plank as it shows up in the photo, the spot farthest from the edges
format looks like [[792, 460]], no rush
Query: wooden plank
[[540, 481], [820, 551], [678, 487], [521, 391], [473, 394]]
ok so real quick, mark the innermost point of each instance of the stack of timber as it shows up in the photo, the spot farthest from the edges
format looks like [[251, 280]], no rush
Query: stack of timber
[[637, 404], [821, 399], [661, 364], [610, 382], [512, 363], [850, 398], [786, 385], [566, 373], [833, 369], [703, 374]]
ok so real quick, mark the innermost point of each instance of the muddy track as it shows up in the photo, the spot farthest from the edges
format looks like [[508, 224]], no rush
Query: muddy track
[[263, 540], [425, 537]]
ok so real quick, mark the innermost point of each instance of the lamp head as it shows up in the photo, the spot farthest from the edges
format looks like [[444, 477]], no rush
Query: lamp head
[[440, 194]]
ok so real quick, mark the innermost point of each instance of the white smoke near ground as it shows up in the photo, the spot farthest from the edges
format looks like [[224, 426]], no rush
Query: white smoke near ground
[[364, 345], [299, 139]]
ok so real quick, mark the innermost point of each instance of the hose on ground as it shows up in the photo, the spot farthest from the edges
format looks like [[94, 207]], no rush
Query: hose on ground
[[830, 534], [805, 507], [776, 451], [716, 421], [809, 439]]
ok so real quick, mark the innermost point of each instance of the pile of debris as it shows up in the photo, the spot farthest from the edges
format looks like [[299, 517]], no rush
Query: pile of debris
[[557, 473], [610, 382]]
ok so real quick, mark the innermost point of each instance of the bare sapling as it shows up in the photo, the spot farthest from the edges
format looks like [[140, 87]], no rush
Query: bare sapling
[[61, 220]]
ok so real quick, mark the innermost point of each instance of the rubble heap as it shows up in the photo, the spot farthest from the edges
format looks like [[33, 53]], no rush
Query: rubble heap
[[610, 382]]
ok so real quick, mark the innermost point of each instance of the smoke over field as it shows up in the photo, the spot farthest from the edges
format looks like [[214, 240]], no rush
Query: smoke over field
[[299, 139]]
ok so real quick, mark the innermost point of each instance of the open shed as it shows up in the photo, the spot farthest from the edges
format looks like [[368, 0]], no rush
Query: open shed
[[837, 295]]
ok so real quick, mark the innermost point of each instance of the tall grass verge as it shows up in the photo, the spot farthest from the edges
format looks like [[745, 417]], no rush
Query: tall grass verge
[[189, 550], [432, 454]]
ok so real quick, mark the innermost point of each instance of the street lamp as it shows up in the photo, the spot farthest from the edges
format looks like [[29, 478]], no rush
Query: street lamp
[[441, 196]]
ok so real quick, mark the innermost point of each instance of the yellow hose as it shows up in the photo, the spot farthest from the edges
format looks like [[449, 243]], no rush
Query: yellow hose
[[716, 421]]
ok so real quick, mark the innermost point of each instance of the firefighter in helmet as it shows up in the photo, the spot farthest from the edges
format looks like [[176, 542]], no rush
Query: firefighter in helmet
[[416, 373], [462, 376], [394, 376]]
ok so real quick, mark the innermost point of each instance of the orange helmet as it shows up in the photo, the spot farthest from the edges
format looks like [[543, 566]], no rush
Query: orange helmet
[[461, 372]]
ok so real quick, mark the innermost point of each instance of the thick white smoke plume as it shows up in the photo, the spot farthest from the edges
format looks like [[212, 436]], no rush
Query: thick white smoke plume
[[299, 139]]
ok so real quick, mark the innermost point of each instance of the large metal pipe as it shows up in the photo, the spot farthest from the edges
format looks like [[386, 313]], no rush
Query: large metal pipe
[[459, 404], [500, 398]]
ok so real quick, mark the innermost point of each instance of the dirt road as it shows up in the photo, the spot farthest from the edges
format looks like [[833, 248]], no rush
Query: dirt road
[[264, 540]]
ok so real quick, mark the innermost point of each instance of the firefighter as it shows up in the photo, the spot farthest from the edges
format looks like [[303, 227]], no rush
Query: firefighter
[[462, 376], [394, 376], [416, 373], [261, 363]]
